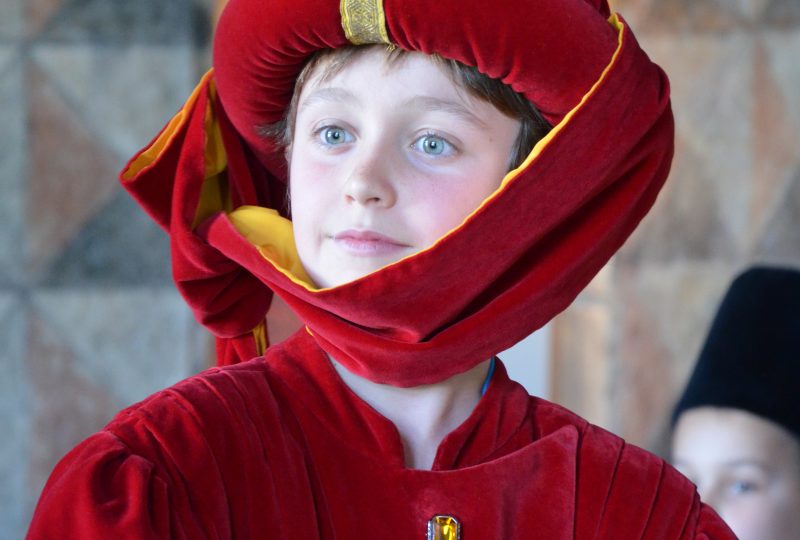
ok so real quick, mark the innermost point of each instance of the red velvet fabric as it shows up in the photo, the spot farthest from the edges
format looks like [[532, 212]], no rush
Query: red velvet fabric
[[279, 447], [529, 250]]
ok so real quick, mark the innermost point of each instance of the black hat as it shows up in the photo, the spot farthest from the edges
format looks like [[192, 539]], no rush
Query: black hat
[[751, 357]]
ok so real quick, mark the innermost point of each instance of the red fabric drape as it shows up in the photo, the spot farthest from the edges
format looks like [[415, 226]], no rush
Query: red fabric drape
[[530, 249]]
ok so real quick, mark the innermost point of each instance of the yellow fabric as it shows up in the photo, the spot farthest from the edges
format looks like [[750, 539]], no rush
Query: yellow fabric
[[272, 234], [260, 337], [215, 194]]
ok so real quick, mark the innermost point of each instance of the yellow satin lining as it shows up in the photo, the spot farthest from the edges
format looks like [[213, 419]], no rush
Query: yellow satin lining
[[272, 234], [260, 337]]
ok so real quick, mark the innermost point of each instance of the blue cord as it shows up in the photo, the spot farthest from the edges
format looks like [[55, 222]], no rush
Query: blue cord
[[488, 376]]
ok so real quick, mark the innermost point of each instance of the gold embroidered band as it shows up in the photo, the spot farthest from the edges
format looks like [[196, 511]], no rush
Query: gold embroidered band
[[364, 21]]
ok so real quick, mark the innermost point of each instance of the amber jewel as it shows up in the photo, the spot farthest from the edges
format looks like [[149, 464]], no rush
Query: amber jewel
[[443, 527]]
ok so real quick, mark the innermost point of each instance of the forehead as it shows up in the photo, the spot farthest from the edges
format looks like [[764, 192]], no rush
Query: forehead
[[361, 71], [728, 435]]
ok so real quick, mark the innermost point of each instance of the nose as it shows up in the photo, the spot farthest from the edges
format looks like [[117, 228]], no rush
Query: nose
[[369, 182]]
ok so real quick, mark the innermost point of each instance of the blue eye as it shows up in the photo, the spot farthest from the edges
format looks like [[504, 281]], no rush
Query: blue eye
[[333, 135], [740, 487], [433, 145]]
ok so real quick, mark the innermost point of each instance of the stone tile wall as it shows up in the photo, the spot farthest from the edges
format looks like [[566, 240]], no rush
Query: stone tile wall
[[625, 348], [89, 319]]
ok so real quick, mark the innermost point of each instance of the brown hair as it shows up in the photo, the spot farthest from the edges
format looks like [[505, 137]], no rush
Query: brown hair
[[532, 125]]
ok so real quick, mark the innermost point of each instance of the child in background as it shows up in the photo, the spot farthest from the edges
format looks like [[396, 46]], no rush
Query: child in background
[[435, 221], [737, 425]]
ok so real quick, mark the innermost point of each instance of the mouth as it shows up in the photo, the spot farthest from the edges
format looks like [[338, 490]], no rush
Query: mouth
[[367, 243]]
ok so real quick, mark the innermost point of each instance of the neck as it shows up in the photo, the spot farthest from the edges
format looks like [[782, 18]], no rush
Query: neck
[[423, 415]]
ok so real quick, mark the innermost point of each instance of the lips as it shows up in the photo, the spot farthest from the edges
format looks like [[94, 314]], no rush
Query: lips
[[367, 243]]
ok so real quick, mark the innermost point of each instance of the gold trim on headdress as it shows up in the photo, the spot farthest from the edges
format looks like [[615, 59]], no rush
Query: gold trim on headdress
[[364, 21]]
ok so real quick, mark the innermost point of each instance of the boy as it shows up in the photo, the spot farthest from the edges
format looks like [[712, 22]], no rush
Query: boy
[[412, 258], [737, 425]]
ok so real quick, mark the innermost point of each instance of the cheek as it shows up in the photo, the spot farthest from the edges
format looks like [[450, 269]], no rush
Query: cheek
[[309, 191], [746, 518], [761, 518], [307, 175], [434, 220]]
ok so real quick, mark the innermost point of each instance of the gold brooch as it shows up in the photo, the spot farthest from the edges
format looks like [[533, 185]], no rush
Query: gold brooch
[[442, 527]]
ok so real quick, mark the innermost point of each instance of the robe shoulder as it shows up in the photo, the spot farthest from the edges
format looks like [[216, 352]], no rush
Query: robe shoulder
[[624, 491], [172, 465]]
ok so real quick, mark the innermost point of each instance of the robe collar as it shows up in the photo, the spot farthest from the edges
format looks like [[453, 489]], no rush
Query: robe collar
[[504, 421]]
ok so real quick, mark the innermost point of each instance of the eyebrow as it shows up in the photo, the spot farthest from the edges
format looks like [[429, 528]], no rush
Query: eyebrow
[[433, 104], [330, 94], [748, 462]]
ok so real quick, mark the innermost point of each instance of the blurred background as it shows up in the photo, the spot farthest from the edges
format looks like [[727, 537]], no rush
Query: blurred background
[[90, 321]]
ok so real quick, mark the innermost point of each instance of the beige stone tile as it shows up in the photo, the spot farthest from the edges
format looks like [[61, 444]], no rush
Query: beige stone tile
[[8, 54], [124, 95], [15, 418], [66, 406], [776, 125], [121, 22], [39, 12], [707, 16], [12, 167], [779, 241], [11, 20], [681, 16], [780, 53], [131, 342], [703, 209], [120, 246], [783, 14], [71, 174], [581, 366]]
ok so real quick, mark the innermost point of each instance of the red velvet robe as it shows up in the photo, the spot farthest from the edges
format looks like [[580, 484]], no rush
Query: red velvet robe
[[279, 447]]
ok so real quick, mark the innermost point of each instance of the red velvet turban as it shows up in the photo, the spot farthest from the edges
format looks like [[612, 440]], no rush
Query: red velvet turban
[[512, 265]]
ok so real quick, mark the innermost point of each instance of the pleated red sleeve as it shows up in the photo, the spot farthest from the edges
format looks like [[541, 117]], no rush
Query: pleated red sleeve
[[103, 490]]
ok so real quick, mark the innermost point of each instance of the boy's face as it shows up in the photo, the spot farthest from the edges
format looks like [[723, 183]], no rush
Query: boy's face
[[745, 467], [385, 159]]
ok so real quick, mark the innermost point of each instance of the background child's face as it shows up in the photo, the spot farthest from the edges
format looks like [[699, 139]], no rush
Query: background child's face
[[385, 159], [745, 467]]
